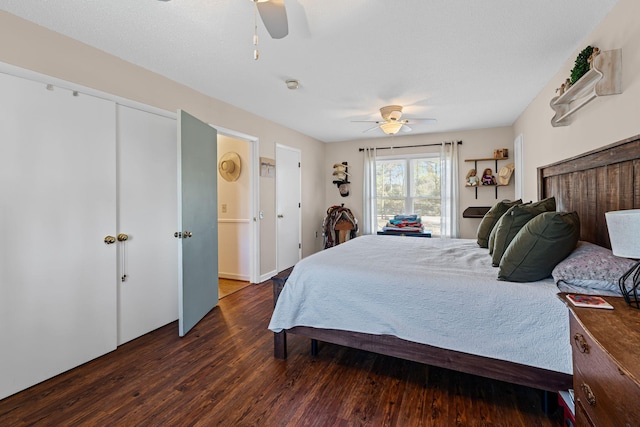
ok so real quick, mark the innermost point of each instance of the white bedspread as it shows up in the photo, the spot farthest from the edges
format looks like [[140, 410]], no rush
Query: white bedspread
[[441, 292]]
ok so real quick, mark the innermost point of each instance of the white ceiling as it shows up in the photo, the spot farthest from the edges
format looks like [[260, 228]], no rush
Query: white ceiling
[[469, 64]]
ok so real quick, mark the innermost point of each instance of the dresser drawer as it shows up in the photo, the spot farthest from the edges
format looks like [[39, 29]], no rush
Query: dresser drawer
[[608, 396]]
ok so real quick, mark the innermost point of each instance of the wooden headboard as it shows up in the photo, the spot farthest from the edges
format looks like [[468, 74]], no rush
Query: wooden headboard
[[602, 180]]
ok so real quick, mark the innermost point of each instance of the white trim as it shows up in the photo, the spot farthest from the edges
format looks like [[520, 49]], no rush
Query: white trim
[[233, 276], [518, 159], [267, 276], [66, 85]]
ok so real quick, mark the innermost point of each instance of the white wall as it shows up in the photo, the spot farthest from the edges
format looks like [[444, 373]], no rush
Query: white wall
[[32, 47], [475, 144], [604, 120]]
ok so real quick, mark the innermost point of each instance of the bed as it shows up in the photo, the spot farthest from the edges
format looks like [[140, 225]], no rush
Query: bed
[[514, 332]]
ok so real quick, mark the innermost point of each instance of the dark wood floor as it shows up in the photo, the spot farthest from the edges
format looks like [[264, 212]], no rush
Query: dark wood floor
[[223, 373]]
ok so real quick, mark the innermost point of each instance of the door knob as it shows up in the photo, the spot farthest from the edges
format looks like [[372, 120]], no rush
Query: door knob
[[109, 240], [280, 216], [177, 235], [187, 234], [122, 237]]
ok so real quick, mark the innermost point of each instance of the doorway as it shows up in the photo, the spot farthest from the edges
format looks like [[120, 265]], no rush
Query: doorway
[[237, 225]]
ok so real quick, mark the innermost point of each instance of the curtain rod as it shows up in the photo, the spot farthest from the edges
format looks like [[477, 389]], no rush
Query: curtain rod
[[409, 146]]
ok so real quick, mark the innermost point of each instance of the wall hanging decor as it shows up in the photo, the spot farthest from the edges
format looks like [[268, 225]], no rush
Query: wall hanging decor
[[267, 167], [341, 178], [230, 166]]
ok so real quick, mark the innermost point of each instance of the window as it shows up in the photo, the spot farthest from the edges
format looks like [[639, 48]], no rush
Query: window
[[409, 185]]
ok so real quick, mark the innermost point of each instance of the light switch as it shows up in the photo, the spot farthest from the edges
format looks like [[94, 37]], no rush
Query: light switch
[[224, 208]]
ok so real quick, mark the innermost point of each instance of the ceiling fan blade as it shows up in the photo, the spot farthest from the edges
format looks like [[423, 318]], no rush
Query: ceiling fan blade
[[422, 120], [367, 121], [274, 17], [405, 128], [370, 129]]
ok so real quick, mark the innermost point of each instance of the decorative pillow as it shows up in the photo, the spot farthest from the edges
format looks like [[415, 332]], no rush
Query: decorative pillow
[[592, 267], [512, 221], [490, 218], [492, 239], [539, 246]]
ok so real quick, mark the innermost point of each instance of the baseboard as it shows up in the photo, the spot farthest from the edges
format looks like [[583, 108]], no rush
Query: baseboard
[[233, 276], [268, 276]]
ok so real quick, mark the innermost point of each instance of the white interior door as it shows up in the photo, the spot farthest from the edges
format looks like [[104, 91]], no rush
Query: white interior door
[[147, 199], [197, 219], [57, 204], [288, 206]]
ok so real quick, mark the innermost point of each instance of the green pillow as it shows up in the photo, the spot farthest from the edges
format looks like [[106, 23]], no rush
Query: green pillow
[[490, 218], [539, 246], [512, 221]]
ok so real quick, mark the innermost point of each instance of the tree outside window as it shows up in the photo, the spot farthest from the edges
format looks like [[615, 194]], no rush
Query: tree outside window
[[409, 185]]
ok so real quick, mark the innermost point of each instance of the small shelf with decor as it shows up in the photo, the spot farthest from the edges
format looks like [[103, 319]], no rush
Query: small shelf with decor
[[498, 156], [603, 78]]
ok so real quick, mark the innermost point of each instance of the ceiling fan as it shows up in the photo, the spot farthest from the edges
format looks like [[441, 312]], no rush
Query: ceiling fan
[[392, 121], [274, 18]]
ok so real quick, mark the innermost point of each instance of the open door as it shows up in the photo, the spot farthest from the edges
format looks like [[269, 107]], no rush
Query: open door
[[197, 220]]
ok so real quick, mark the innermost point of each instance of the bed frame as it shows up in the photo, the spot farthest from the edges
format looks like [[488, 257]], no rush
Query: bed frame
[[591, 184]]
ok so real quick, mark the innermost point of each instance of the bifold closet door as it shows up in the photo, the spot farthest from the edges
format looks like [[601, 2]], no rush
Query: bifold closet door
[[57, 204], [147, 215]]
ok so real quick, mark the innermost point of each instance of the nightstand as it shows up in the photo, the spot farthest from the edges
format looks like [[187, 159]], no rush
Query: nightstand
[[606, 364]]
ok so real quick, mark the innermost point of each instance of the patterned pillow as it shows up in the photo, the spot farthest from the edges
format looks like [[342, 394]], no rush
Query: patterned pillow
[[593, 268]]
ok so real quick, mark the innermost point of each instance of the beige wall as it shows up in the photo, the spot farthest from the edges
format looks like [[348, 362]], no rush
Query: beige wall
[[32, 47], [475, 144], [604, 120]]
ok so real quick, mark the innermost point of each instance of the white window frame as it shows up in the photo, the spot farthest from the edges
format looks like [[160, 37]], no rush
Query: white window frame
[[409, 180]]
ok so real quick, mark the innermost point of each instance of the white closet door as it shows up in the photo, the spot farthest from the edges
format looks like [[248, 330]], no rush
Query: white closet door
[[288, 199], [147, 214], [57, 204]]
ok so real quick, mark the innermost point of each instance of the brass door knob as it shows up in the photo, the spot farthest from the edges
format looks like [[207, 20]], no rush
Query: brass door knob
[[280, 216], [187, 234], [109, 240], [122, 237]]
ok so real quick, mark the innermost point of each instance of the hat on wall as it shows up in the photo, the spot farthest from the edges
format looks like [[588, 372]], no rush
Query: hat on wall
[[229, 166], [505, 174]]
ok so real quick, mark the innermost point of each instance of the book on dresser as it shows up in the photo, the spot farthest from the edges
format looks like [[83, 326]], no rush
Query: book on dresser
[[590, 301]]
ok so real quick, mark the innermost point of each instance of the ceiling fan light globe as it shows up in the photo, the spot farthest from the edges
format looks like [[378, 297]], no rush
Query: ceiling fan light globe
[[391, 128]]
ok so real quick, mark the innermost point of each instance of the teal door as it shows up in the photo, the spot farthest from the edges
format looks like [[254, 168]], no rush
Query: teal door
[[197, 219]]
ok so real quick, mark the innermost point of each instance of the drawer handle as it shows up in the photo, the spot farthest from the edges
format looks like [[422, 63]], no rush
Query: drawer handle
[[591, 398], [581, 343]]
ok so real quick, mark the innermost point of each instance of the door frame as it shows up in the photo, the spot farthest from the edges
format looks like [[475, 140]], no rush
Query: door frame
[[254, 197]]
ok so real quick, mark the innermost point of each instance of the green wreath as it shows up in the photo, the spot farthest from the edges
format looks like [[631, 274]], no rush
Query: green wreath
[[582, 64]]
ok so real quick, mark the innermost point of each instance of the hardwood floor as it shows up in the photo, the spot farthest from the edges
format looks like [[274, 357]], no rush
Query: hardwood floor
[[227, 286], [223, 373]]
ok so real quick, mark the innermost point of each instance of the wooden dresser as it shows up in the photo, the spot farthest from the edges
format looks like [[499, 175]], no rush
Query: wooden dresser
[[606, 364]]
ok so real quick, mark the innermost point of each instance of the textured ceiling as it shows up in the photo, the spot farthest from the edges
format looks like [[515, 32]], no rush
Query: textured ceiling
[[468, 64]]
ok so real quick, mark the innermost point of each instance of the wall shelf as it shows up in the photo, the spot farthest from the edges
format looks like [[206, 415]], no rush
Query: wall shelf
[[604, 78], [495, 170]]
